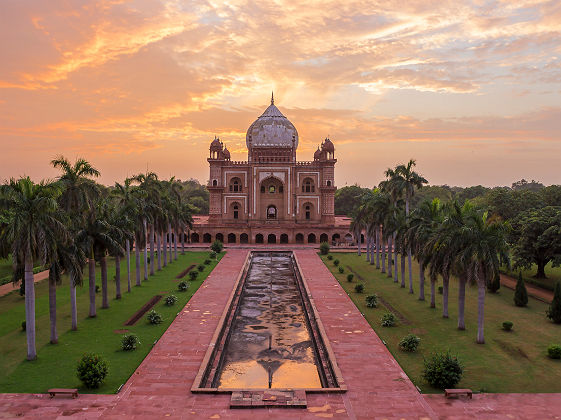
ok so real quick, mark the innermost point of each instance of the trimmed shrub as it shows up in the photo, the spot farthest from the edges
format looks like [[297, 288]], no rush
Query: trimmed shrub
[[193, 275], [330, 257], [350, 277], [520, 293], [388, 319], [154, 317], [554, 311], [129, 342], [23, 326], [97, 289], [409, 343], [217, 246], [359, 288], [212, 255], [372, 301], [207, 262], [324, 248], [335, 263], [554, 351], [170, 300], [495, 284], [341, 270], [92, 370], [443, 370], [182, 286], [440, 290], [201, 267], [507, 325]]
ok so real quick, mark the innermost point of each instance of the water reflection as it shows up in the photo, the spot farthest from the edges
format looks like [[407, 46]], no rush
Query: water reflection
[[270, 344]]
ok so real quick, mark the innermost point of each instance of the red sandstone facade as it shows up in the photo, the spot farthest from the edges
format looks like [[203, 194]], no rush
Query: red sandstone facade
[[271, 198]]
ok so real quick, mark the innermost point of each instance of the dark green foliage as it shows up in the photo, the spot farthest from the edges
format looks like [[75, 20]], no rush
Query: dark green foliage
[[201, 267], [495, 284], [23, 326], [443, 370], [440, 290], [212, 255], [129, 342], [554, 351], [409, 343], [92, 370], [349, 198], [359, 288], [341, 270], [207, 262], [154, 317], [217, 246], [335, 262], [97, 289], [330, 257], [388, 319], [350, 277], [372, 301], [170, 300], [507, 325], [324, 248], [554, 311], [182, 286], [193, 275], [520, 293]]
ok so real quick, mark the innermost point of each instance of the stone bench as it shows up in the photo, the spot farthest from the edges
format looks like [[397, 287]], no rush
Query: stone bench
[[54, 391], [457, 392]]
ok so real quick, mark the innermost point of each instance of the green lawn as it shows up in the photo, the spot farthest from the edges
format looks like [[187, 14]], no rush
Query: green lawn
[[509, 361], [553, 275], [56, 364]]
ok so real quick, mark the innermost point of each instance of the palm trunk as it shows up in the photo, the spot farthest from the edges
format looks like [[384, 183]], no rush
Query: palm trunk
[[170, 242], [144, 227], [395, 273], [73, 306], [390, 262], [421, 280], [137, 252], [182, 241], [105, 298], [117, 276], [402, 249], [358, 245], [91, 280], [461, 302], [432, 291], [480, 310], [52, 310], [128, 246], [151, 249], [409, 249], [175, 244], [383, 254], [159, 249], [377, 244], [445, 284], [165, 246], [30, 307], [368, 241]]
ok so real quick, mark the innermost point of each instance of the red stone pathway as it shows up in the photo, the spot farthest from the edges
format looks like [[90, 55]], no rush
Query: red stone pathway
[[378, 388]]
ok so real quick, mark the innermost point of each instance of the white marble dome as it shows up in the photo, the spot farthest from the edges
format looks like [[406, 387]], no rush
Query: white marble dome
[[272, 129]]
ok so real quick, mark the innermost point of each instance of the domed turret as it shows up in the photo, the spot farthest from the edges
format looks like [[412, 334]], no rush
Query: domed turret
[[215, 149], [272, 129], [226, 153], [328, 145], [317, 154]]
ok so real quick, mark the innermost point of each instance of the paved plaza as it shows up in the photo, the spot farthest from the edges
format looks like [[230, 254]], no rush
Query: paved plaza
[[377, 386]]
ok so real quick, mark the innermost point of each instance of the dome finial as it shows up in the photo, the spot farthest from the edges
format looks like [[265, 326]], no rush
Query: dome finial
[[272, 98]]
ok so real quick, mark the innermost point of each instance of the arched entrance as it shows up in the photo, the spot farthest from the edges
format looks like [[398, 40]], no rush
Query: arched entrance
[[272, 238], [220, 237], [207, 238], [244, 239], [271, 212], [258, 238], [311, 238], [231, 238], [361, 238], [335, 238], [299, 238], [284, 238], [323, 237], [195, 238]]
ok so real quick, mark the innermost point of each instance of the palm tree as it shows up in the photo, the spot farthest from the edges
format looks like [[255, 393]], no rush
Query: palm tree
[[31, 223], [404, 181], [148, 183]]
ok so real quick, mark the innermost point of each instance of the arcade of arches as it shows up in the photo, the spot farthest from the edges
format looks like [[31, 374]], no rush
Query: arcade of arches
[[271, 198]]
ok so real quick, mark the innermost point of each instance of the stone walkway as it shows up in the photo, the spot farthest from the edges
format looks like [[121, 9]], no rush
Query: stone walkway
[[378, 387], [10, 287], [534, 291]]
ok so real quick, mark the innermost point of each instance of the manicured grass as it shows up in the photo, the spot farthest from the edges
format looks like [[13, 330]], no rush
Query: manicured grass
[[513, 361], [553, 275], [56, 363]]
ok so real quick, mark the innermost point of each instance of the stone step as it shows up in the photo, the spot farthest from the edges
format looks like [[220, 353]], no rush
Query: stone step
[[269, 398]]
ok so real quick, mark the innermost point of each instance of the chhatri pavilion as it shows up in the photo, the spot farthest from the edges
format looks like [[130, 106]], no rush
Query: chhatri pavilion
[[271, 198]]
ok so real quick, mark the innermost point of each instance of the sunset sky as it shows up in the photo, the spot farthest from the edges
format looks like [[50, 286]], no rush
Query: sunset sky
[[471, 90]]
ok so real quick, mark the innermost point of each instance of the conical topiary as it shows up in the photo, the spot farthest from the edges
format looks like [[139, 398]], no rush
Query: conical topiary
[[554, 311], [520, 293], [495, 284]]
